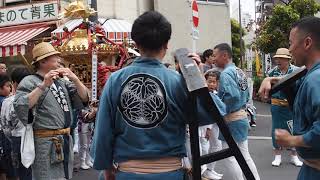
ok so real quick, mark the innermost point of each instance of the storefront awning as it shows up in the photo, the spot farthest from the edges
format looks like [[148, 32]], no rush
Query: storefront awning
[[116, 30], [14, 39]]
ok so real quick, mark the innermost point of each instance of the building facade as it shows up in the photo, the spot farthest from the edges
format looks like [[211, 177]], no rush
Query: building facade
[[22, 24], [212, 30], [214, 24]]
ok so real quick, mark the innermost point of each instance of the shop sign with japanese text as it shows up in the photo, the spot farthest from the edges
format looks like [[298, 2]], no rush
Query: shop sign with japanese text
[[30, 13]]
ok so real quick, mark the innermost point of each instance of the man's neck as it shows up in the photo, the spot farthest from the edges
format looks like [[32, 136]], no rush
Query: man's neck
[[229, 62], [152, 56], [42, 72], [314, 58], [155, 55]]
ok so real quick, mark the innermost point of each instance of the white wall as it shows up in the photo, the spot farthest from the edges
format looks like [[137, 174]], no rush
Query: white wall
[[106, 8], [123, 9], [214, 24]]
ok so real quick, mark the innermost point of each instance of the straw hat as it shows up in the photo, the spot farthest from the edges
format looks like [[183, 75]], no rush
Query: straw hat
[[282, 53], [43, 50]]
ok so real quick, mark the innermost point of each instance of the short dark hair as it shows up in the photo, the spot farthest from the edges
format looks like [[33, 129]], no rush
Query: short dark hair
[[213, 73], [4, 78], [224, 47], [207, 53], [151, 31], [19, 73], [310, 26]]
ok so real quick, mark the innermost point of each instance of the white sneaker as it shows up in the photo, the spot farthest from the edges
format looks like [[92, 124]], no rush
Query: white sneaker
[[89, 163], [84, 166], [277, 161], [211, 175], [221, 175], [295, 161]]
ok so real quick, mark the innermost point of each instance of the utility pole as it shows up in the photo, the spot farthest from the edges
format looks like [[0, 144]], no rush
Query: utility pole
[[241, 58], [94, 6]]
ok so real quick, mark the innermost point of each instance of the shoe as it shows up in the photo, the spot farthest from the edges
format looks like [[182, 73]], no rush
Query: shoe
[[89, 163], [84, 166], [211, 175], [277, 161], [253, 124], [295, 161]]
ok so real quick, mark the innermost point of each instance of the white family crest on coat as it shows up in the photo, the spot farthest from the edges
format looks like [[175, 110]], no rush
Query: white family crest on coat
[[242, 79], [143, 101]]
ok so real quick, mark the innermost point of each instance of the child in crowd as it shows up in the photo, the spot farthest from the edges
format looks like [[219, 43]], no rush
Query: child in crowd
[[6, 168], [87, 117], [211, 132], [14, 128]]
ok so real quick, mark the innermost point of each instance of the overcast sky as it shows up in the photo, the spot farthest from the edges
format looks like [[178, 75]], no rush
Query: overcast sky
[[246, 6]]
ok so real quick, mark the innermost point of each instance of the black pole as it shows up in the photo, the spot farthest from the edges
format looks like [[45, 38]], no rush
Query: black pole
[[240, 35], [94, 6]]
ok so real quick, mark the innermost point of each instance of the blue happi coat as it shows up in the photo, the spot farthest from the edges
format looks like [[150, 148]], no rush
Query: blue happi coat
[[142, 115], [306, 120], [281, 115], [233, 91]]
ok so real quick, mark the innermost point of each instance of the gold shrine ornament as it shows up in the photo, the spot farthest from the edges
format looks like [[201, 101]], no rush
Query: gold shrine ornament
[[77, 9]]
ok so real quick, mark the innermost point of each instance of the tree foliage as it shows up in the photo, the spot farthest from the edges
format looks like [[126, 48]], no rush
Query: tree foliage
[[275, 32], [235, 37]]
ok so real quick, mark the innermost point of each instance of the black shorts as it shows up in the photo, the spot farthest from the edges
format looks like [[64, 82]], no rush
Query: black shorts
[[5, 153], [11, 164]]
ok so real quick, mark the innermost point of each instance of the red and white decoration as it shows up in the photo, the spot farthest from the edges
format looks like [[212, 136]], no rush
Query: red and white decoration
[[116, 30], [13, 40]]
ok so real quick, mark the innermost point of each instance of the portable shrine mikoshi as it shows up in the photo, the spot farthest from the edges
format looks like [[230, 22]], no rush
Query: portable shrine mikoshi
[[87, 51]]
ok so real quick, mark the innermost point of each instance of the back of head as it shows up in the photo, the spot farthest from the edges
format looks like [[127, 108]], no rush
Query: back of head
[[4, 78], [19, 73], [224, 47], [309, 26], [151, 31]]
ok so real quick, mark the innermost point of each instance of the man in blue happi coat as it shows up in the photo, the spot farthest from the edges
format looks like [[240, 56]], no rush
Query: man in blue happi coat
[[143, 111], [305, 49], [233, 91]]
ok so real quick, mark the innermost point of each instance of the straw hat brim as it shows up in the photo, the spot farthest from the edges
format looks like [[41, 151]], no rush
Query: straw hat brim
[[282, 56], [44, 56]]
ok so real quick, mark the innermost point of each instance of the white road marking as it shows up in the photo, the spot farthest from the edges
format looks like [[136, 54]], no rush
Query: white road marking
[[259, 137], [263, 115]]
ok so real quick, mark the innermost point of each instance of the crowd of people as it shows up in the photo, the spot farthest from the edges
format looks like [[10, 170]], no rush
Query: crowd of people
[[139, 124]]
